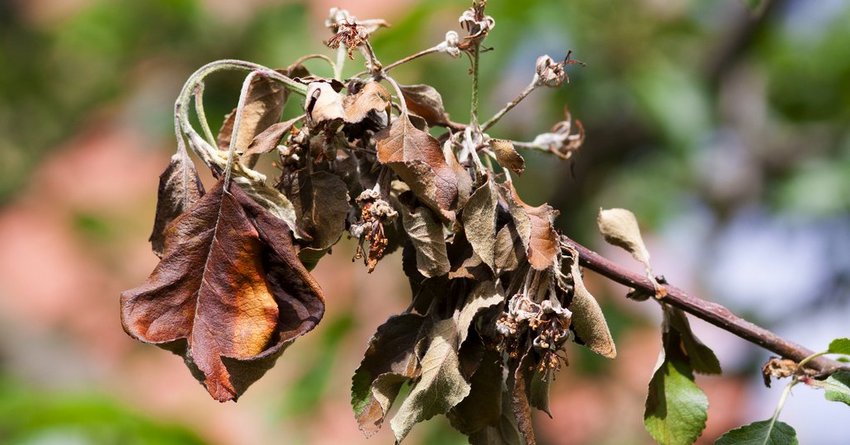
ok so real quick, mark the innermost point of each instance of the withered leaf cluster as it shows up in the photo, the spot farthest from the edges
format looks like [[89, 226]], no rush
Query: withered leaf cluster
[[496, 295]]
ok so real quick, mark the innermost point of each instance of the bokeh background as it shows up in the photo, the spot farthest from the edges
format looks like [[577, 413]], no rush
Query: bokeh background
[[726, 129]]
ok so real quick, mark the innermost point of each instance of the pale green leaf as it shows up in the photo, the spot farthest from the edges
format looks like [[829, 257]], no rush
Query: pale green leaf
[[764, 432], [837, 387]]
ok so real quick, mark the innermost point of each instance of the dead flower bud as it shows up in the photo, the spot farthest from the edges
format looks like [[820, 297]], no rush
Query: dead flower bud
[[349, 31], [476, 24], [549, 72], [374, 214], [561, 141], [552, 74]]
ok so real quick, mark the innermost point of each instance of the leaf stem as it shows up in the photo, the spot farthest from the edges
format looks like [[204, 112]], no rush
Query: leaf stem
[[711, 312], [237, 122], [202, 115], [473, 118], [510, 105]]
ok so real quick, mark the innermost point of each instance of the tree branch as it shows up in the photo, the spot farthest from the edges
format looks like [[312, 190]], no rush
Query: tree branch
[[711, 312]]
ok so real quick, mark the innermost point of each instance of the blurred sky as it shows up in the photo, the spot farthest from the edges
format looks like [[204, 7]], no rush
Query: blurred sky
[[726, 131]]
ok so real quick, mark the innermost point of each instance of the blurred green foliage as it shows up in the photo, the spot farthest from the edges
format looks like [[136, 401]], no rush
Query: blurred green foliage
[[29, 417]]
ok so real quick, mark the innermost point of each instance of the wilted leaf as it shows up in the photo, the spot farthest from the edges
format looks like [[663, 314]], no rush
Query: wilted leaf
[[389, 361], [441, 385], [839, 346], [505, 432], [269, 138], [417, 158], [620, 228], [370, 98], [538, 392], [519, 402], [228, 295], [324, 206], [479, 222], [425, 101], [700, 357], [484, 295], [765, 432], [179, 189], [323, 103], [507, 155], [675, 406], [263, 107], [535, 226], [508, 250], [483, 406], [588, 321], [426, 235]]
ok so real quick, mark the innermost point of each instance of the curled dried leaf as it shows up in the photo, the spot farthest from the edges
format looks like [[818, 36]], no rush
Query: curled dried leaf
[[426, 102], [229, 294], [179, 189], [588, 320], [620, 228], [507, 155], [368, 99], [536, 227]]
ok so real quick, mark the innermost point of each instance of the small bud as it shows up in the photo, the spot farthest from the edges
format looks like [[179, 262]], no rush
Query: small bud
[[449, 46]]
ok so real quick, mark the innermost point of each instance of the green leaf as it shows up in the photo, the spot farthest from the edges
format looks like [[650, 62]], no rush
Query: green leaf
[[441, 385], [764, 432], [675, 406], [837, 387], [840, 346]]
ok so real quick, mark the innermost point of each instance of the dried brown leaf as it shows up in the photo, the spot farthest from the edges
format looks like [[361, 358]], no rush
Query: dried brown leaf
[[479, 222], [507, 155], [229, 294], [417, 158], [426, 234], [263, 108], [536, 227], [620, 228], [179, 189], [372, 97], [324, 205], [425, 101], [269, 138], [588, 321]]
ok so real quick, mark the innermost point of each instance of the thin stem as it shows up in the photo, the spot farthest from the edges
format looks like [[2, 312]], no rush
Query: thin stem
[[473, 119], [781, 403], [711, 312], [323, 57], [340, 61], [202, 115], [522, 95], [424, 52], [398, 92], [810, 358], [237, 122]]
